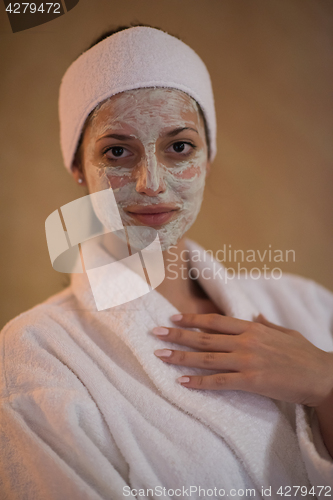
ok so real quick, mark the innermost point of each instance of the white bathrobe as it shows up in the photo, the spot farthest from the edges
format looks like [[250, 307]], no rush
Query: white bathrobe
[[89, 412]]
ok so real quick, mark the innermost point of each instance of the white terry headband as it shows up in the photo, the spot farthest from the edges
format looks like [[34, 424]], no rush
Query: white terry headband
[[130, 59]]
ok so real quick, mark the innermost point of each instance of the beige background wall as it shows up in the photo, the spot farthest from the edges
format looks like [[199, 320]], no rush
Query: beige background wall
[[271, 63]]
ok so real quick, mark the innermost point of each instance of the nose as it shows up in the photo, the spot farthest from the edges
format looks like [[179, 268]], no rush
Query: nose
[[149, 175]]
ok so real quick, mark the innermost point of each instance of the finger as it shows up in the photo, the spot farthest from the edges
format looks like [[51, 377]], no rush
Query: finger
[[219, 381], [197, 340], [264, 321], [207, 360], [212, 322]]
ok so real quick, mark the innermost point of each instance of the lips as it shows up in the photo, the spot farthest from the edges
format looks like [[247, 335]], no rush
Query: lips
[[153, 215]]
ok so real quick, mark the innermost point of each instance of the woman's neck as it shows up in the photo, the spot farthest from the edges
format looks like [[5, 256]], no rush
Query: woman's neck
[[176, 283], [178, 288]]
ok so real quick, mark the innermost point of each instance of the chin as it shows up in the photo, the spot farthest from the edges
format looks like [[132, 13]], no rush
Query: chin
[[170, 234]]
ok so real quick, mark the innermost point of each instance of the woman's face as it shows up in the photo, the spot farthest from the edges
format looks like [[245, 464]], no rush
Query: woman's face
[[149, 146]]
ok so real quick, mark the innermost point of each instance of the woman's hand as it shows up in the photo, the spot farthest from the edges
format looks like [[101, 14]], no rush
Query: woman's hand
[[258, 357]]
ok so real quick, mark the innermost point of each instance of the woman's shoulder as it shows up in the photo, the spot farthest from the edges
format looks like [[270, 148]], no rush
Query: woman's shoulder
[[277, 293], [37, 315], [294, 286], [295, 302], [31, 345]]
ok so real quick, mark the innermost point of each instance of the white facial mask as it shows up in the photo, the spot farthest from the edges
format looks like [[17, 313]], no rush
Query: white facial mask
[[149, 113]]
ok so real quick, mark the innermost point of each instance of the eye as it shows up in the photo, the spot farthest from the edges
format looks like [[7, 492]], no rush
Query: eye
[[181, 147], [116, 152]]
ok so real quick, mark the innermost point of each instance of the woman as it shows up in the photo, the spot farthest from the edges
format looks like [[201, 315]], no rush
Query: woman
[[186, 390]]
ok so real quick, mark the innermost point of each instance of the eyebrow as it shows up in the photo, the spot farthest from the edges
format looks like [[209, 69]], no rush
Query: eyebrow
[[178, 130], [122, 137]]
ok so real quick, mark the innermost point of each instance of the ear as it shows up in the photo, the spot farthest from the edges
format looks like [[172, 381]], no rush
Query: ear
[[77, 172]]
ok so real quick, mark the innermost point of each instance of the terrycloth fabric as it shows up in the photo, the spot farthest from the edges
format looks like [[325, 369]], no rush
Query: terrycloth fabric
[[89, 412], [131, 59]]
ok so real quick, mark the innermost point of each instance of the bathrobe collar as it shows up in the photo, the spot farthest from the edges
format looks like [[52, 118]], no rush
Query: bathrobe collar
[[213, 277]]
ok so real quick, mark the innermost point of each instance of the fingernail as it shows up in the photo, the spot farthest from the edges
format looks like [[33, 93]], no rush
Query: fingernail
[[176, 317], [183, 379], [159, 330], [163, 352]]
